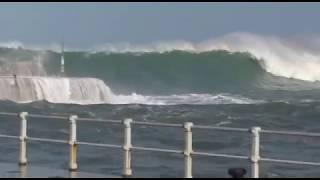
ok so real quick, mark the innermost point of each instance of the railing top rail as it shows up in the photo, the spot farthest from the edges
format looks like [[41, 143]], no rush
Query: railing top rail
[[9, 136], [290, 161], [8, 114], [157, 124], [142, 123], [100, 120], [221, 128], [49, 117], [294, 133]]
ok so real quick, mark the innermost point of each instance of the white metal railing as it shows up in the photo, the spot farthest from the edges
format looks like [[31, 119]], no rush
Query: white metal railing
[[127, 146]]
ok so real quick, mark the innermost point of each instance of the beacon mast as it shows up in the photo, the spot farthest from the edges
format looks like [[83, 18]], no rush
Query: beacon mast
[[62, 60]]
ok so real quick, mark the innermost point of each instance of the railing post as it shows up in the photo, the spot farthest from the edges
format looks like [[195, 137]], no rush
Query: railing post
[[127, 171], [255, 154], [188, 150], [73, 143], [23, 171], [23, 139]]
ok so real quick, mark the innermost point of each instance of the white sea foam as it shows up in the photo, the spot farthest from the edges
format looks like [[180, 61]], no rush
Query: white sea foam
[[94, 91]]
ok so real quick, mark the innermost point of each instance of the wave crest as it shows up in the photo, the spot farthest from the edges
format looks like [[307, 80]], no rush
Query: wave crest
[[278, 56]]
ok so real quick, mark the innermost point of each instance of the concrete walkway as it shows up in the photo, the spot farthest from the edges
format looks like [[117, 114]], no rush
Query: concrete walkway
[[8, 170]]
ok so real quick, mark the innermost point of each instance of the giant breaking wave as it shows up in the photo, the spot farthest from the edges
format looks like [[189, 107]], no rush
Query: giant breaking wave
[[177, 72]]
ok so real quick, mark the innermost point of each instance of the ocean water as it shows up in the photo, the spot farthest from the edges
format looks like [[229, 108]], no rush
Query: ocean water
[[240, 80]]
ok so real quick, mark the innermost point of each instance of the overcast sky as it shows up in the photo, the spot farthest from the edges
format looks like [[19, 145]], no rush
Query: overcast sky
[[88, 24]]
